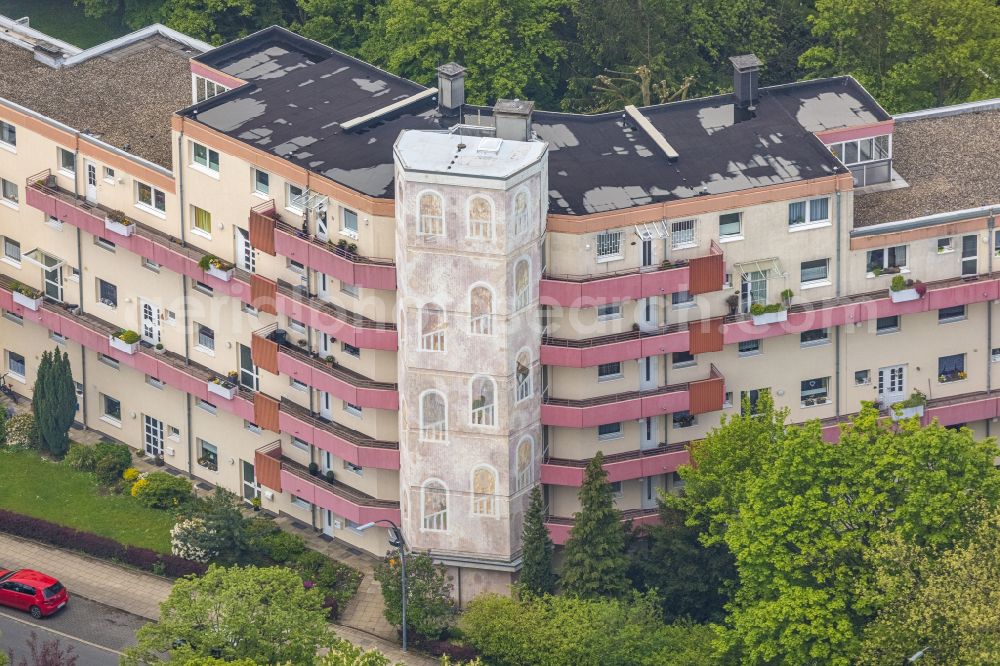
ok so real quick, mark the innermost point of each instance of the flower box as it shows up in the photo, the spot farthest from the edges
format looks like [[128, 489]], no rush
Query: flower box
[[769, 318], [119, 228], [907, 412], [121, 345], [225, 390], [904, 295], [27, 301], [224, 275]]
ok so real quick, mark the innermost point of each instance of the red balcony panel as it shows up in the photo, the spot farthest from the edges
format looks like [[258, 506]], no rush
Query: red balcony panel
[[377, 398], [6, 300], [567, 357], [78, 217], [976, 409], [261, 227], [329, 441], [43, 202], [267, 466], [962, 294], [707, 395], [592, 415], [293, 425], [705, 335], [582, 357], [665, 403], [375, 276], [291, 246], [559, 292], [562, 475], [610, 290], [559, 532], [665, 343], [661, 463], [669, 281], [299, 487], [377, 338], [378, 457]]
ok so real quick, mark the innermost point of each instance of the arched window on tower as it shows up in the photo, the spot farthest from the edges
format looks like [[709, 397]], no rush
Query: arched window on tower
[[434, 506], [432, 328], [480, 218], [520, 212], [433, 416], [483, 401], [522, 375], [484, 488], [524, 459], [522, 285], [431, 221], [481, 310]]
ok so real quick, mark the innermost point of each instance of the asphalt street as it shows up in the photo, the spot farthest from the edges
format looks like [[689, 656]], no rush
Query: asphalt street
[[97, 632]]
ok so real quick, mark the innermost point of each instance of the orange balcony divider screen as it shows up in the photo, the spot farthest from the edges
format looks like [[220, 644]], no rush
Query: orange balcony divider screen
[[264, 353], [707, 395], [267, 466], [263, 294], [265, 412], [708, 272], [706, 335], [262, 232]]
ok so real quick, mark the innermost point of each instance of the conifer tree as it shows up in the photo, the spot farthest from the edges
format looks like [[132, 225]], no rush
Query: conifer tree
[[536, 570], [54, 402], [596, 564]]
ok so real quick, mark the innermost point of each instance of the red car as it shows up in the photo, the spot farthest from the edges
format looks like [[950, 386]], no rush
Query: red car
[[32, 591]]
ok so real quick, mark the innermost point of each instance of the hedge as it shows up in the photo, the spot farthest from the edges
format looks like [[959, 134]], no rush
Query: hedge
[[97, 546]]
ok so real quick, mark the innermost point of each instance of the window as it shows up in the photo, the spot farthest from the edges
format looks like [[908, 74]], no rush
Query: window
[[683, 419], [205, 337], [616, 489], [520, 212], [296, 325], [8, 134], [202, 221], [154, 382], [945, 245], [150, 197], [351, 290], [484, 488], [208, 455], [67, 161], [482, 399], [297, 385], [951, 368], [433, 417], [814, 391], [995, 354], [107, 293], [749, 347], [205, 157], [480, 218], [432, 328], [863, 150], [749, 401], [609, 245], [817, 336], [434, 506], [814, 271], [151, 265], [173, 432], [681, 299], [296, 266], [862, 377], [609, 431], [682, 234], [730, 225], [890, 257], [8, 191], [954, 313], [683, 359], [481, 310], [609, 311], [261, 182], [104, 244], [112, 409], [108, 361], [354, 469], [15, 365], [295, 198], [206, 89], [349, 222], [727, 399], [887, 324], [109, 175], [813, 211], [12, 250], [522, 285], [350, 350], [522, 376], [352, 409], [16, 318], [300, 503], [609, 371], [203, 288], [431, 218], [524, 463], [299, 444], [57, 338], [206, 405]]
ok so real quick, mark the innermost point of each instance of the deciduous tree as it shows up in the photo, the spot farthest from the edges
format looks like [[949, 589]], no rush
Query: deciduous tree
[[429, 606]]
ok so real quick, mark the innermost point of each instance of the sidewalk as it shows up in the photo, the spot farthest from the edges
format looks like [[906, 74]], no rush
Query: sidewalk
[[140, 593]]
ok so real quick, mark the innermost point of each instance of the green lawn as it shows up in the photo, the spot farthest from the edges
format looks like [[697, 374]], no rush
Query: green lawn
[[64, 20], [55, 492]]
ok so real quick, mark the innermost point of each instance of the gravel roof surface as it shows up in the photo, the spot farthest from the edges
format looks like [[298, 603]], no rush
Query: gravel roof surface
[[951, 164], [125, 97]]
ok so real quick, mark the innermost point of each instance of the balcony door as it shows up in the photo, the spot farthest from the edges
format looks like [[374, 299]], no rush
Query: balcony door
[[90, 169], [753, 289], [969, 252], [246, 255], [150, 322], [648, 438], [651, 486], [53, 284], [647, 373], [251, 488], [647, 313], [249, 377], [892, 384]]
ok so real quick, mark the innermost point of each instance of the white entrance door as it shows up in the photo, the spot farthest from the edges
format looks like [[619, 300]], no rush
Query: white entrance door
[[326, 345], [651, 485], [647, 373], [648, 438], [892, 384], [91, 172], [153, 435], [328, 525], [323, 283], [249, 377], [149, 317], [251, 488], [246, 256], [325, 405], [647, 313], [53, 284]]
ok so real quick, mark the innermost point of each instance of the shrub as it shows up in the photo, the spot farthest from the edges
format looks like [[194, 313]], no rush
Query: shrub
[[187, 540], [335, 579], [3, 425], [898, 283], [81, 457], [130, 474], [281, 546], [160, 490], [22, 431], [111, 461], [128, 337], [429, 607], [95, 545]]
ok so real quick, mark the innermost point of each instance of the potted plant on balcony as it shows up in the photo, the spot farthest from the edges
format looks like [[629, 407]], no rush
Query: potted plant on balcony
[[733, 301], [786, 297], [314, 469], [216, 267], [768, 314], [124, 340], [328, 476], [117, 223], [222, 388], [26, 296], [902, 290], [208, 464], [158, 349], [909, 408], [255, 503]]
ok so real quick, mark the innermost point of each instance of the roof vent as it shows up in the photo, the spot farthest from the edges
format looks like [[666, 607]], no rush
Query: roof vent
[[451, 88], [745, 69], [489, 145], [513, 119]]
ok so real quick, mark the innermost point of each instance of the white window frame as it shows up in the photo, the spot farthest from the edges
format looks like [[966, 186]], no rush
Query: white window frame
[[479, 229], [8, 130], [295, 202], [105, 416], [723, 238], [839, 149], [807, 220], [62, 168], [206, 166], [436, 431], [617, 434], [609, 246], [150, 207], [13, 261], [609, 311], [19, 376], [607, 372], [818, 282], [486, 414], [7, 200], [824, 388], [438, 521], [683, 234], [265, 193], [209, 337], [345, 228], [885, 258], [108, 174], [484, 504]]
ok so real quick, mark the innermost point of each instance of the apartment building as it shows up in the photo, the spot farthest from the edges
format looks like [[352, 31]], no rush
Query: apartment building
[[442, 305]]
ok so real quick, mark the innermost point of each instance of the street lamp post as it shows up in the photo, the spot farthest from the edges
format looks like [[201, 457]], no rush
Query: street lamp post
[[396, 540]]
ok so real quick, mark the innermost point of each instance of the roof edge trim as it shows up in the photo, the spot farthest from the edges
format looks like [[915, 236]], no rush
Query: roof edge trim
[[926, 221], [951, 110], [11, 24], [138, 35]]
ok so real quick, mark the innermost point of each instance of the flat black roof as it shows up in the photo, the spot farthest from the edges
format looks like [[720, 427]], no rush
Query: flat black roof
[[298, 99]]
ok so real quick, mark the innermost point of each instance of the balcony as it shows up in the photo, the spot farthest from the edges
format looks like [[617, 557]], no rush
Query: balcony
[[639, 464], [697, 276], [281, 474], [559, 527], [343, 442], [273, 352], [269, 234], [698, 397]]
